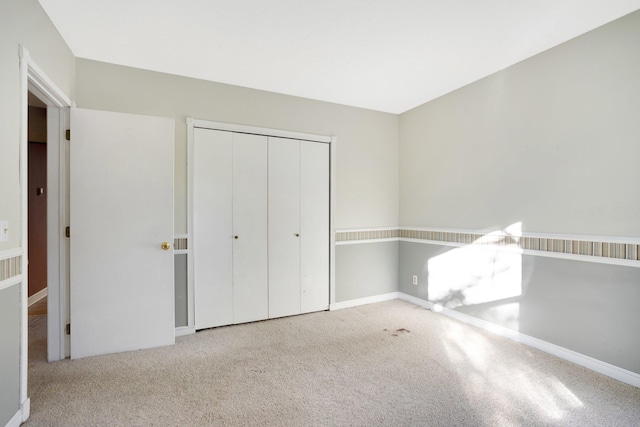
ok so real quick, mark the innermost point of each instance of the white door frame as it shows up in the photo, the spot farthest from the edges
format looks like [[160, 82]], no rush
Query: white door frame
[[34, 79], [206, 124]]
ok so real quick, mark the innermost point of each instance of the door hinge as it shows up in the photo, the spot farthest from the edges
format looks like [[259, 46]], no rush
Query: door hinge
[[67, 134], [67, 231], [67, 329]]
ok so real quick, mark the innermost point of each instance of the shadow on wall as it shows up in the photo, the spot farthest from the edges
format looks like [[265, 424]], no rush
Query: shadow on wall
[[487, 272]]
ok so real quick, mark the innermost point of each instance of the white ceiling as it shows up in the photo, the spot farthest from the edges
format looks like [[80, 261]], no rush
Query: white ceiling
[[386, 55]]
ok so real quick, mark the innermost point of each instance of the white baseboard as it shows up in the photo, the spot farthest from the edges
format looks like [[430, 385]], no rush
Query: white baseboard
[[21, 416], [37, 297], [15, 421], [185, 330], [26, 409], [596, 365], [363, 301]]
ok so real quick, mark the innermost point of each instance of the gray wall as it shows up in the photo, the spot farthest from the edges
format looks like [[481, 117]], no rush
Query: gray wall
[[586, 307], [551, 142], [366, 269], [22, 22], [9, 356], [180, 289], [367, 149]]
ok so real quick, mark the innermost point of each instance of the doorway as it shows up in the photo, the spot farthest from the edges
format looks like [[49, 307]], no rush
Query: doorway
[[37, 226], [33, 80]]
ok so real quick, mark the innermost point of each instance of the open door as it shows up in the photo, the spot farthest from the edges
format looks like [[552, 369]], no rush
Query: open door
[[121, 217]]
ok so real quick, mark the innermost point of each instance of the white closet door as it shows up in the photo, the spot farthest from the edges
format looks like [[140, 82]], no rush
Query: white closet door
[[250, 286], [314, 182], [212, 239], [284, 227]]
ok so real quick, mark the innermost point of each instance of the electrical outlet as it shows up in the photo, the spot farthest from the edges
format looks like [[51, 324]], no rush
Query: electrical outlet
[[4, 231], [415, 279]]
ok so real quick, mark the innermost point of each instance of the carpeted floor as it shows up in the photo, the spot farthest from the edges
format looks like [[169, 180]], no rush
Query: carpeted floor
[[386, 364]]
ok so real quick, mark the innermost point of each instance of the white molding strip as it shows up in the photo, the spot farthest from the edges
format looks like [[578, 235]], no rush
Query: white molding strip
[[26, 409], [22, 415], [596, 365], [559, 236], [185, 330], [16, 420], [230, 127], [37, 296], [12, 281], [361, 242], [363, 301], [559, 255], [356, 230], [613, 250], [42, 82], [11, 253]]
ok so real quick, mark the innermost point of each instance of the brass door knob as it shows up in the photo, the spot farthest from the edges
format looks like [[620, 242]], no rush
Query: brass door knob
[[165, 246]]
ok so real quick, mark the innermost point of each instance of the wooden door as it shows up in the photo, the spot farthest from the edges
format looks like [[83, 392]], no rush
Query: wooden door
[[121, 211]]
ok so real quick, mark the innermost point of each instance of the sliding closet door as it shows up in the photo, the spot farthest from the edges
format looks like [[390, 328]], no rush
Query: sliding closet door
[[250, 289], [284, 227], [212, 239], [314, 213]]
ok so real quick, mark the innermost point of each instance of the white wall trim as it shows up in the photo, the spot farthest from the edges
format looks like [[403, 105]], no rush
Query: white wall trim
[[42, 82], [332, 219], [26, 67], [37, 296], [612, 250], [33, 78], [16, 420], [12, 281], [363, 301], [357, 230], [11, 253], [362, 242], [230, 127], [596, 365], [26, 409], [560, 255], [560, 236], [185, 330]]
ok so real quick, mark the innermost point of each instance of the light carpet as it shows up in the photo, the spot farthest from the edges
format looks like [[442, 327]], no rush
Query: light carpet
[[386, 364]]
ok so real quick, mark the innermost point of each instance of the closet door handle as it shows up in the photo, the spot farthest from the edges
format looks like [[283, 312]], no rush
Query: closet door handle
[[297, 234], [235, 237]]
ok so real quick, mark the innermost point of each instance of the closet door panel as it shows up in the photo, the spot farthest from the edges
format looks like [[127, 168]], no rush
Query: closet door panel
[[284, 227], [314, 182], [212, 227], [250, 289]]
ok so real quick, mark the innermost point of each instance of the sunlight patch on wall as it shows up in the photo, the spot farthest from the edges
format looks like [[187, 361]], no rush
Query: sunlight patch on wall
[[483, 271]]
